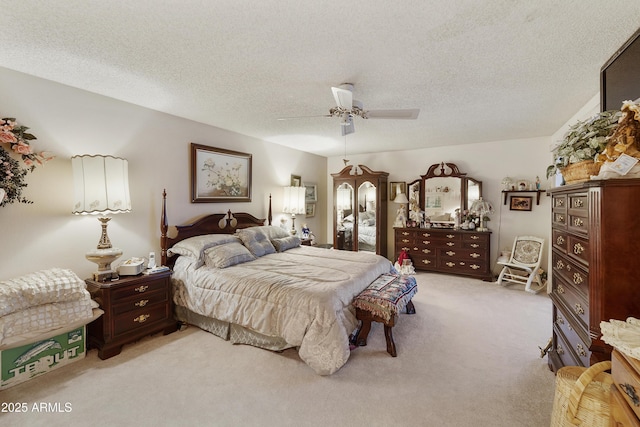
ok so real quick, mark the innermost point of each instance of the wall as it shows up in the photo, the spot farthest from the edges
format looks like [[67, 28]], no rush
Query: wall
[[69, 121]]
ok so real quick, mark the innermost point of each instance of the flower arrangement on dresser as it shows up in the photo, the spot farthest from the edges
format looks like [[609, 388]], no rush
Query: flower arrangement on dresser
[[16, 139]]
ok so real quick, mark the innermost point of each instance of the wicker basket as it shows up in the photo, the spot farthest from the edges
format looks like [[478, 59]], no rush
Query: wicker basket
[[580, 172], [582, 396]]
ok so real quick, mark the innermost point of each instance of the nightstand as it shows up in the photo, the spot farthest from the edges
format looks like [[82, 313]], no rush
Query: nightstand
[[134, 306]]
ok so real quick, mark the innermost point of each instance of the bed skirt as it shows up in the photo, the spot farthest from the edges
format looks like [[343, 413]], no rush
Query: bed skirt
[[229, 331]]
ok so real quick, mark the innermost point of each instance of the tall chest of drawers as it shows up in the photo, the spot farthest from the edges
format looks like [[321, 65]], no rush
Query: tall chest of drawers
[[594, 267], [447, 251]]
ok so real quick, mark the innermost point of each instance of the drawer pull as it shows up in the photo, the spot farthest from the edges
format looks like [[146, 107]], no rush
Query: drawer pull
[[577, 278], [451, 264], [426, 251], [578, 249], [405, 233], [577, 203], [559, 203], [451, 236], [474, 245], [426, 242], [560, 350], [426, 261], [559, 264], [578, 222], [630, 391], [580, 350], [404, 248], [405, 240], [142, 303], [560, 289], [142, 318], [415, 248], [141, 288], [559, 218], [578, 309], [560, 240], [426, 234], [474, 237], [450, 253], [451, 244], [475, 255], [475, 266], [559, 320]]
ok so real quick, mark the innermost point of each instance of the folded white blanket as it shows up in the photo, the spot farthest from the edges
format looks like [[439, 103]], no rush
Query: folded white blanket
[[43, 287]]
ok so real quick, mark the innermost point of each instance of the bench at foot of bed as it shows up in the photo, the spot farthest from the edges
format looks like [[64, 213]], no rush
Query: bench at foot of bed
[[381, 302]]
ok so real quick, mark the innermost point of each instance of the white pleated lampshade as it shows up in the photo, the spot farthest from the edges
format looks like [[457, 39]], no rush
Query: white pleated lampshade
[[294, 198], [101, 185]]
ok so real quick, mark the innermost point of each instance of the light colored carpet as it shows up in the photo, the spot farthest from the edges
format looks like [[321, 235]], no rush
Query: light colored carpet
[[468, 357]]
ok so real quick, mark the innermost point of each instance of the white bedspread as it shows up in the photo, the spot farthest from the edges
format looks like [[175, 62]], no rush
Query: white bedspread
[[42, 301], [303, 295]]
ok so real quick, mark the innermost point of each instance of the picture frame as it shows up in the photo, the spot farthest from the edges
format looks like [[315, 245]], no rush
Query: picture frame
[[432, 201], [219, 175], [311, 192], [310, 210], [296, 181], [520, 203], [395, 188]]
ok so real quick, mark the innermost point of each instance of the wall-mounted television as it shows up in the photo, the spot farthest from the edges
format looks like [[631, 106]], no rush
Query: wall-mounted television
[[620, 75]]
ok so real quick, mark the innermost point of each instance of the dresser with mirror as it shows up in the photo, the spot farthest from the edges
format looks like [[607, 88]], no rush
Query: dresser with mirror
[[360, 210], [436, 242]]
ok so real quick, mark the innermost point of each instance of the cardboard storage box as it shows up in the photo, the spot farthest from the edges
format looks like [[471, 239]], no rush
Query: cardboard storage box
[[22, 363]]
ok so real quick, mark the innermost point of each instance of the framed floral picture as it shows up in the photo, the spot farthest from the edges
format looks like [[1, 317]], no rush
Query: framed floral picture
[[219, 175], [310, 192], [310, 210]]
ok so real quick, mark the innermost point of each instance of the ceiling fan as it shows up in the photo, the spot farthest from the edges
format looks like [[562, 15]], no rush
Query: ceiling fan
[[347, 108]]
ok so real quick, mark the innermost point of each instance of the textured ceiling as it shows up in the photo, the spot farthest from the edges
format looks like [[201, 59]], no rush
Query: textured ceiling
[[478, 70]]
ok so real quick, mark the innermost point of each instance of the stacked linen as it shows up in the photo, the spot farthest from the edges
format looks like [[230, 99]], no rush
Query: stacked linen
[[43, 301]]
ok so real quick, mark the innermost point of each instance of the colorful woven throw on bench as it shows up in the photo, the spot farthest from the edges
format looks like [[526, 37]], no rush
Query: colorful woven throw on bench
[[387, 295]]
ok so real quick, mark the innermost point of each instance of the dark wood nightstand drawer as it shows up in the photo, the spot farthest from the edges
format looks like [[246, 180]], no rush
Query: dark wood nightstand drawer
[[626, 377], [143, 317], [140, 301], [138, 289]]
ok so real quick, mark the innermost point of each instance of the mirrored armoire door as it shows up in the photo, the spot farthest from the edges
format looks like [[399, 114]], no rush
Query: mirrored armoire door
[[360, 210]]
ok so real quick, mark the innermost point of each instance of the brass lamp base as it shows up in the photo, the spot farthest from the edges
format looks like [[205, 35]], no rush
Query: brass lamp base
[[104, 258]]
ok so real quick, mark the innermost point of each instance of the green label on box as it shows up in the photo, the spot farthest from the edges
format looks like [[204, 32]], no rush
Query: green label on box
[[21, 363]]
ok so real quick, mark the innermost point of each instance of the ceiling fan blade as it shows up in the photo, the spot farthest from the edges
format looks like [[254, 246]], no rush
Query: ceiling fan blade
[[303, 117], [408, 114], [343, 97]]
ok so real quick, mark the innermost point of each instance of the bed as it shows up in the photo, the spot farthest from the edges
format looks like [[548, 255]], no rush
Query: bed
[[252, 283]]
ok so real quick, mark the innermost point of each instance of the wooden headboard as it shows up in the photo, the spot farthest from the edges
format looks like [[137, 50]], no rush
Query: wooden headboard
[[217, 223]]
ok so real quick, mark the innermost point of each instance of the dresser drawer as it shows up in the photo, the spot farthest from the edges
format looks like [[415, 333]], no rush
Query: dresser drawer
[[560, 239], [559, 219], [574, 274], [560, 203], [563, 349], [140, 301], [578, 248], [578, 204], [138, 289], [573, 339], [621, 414], [139, 318], [426, 261], [463, 266], [573, 302], [625, 371]]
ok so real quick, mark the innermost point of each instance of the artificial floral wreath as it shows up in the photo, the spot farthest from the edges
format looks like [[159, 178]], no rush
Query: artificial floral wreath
[[12, 173]]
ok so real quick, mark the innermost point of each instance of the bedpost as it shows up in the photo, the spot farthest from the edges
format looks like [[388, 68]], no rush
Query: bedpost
[[269, 215], [163, 229]]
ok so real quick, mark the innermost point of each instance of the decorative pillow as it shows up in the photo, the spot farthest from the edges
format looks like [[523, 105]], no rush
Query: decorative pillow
[[272, 231], [256, 241], [223, 256], [194, 247], [286, 243]]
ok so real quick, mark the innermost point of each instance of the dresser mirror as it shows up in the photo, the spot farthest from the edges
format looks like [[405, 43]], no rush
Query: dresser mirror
[[440, 192]]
